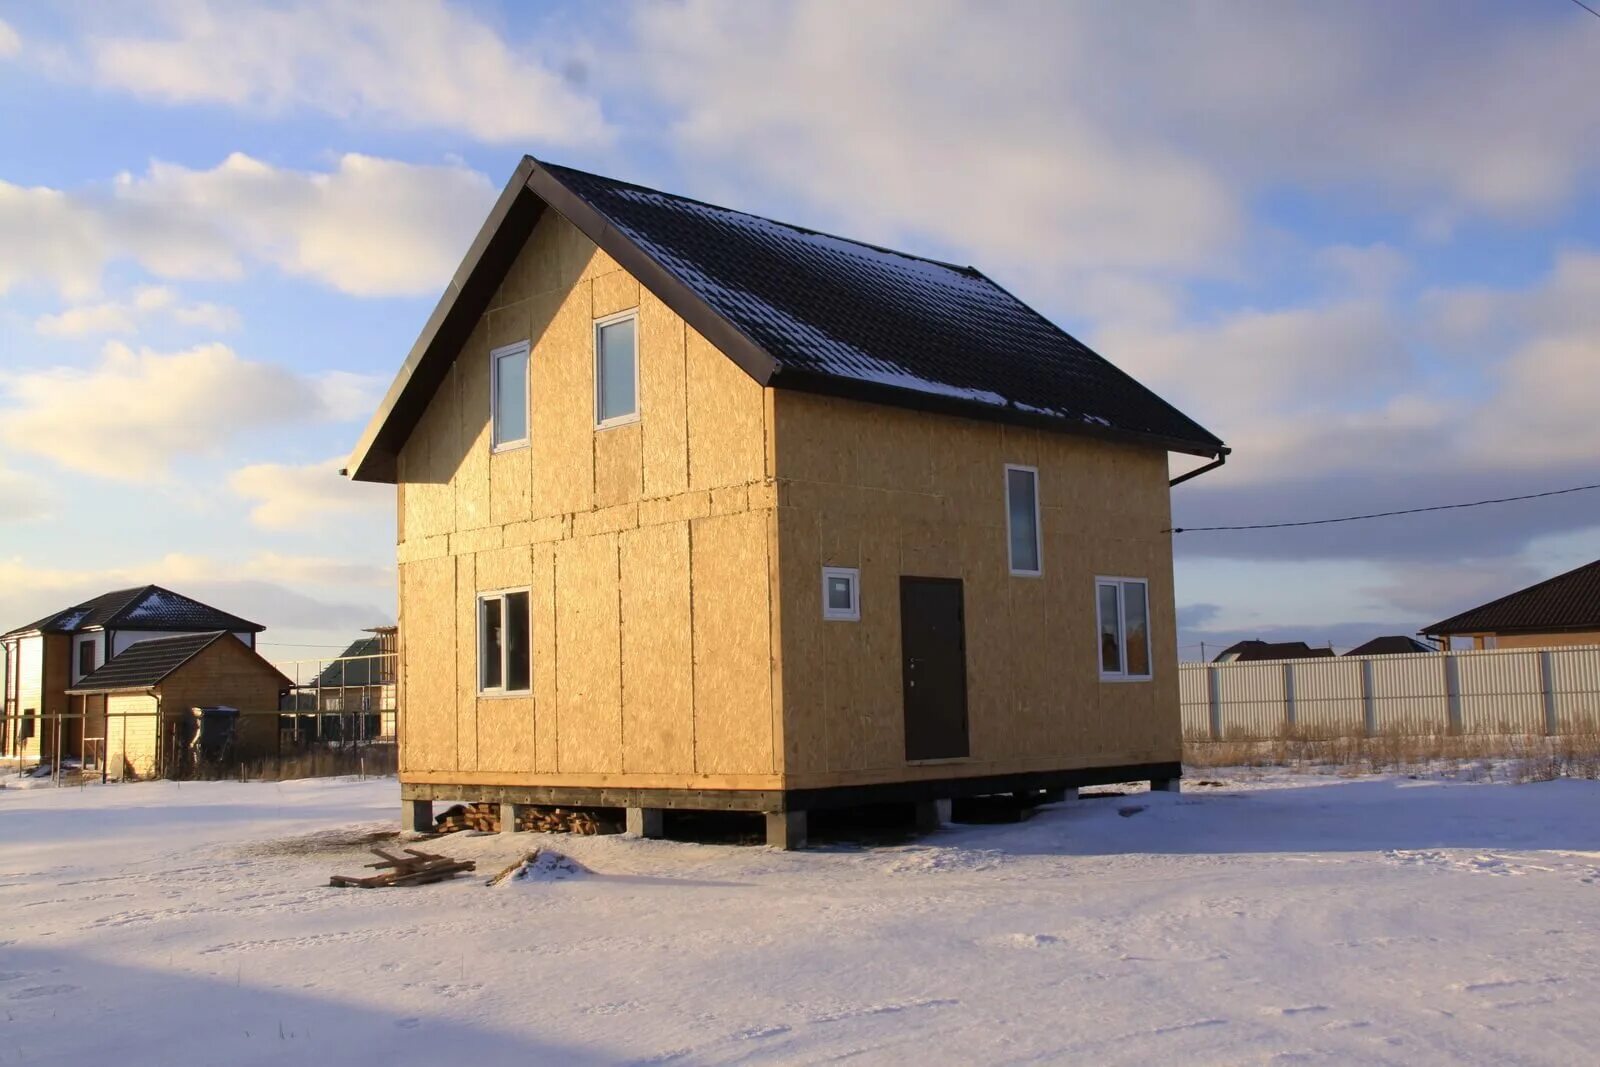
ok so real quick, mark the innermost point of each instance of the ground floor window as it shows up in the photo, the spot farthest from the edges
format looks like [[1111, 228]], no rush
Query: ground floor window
[[505, 653], [841, 594], [1123, 607]]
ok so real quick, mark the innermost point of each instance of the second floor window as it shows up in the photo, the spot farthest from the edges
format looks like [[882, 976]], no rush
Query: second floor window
[[616, 369], [508, 401], [1022, 519]]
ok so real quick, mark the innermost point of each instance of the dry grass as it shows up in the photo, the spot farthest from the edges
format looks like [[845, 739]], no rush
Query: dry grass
[[1499, 756], [366, 761]]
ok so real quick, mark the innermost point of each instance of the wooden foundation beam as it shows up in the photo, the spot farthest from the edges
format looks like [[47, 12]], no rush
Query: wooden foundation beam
[[931, 815]]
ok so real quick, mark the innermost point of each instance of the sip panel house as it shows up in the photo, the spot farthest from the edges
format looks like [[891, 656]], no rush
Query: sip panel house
[[45, 658], [701, 510]]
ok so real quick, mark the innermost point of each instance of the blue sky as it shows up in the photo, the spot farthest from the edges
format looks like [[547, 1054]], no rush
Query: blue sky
[[1360, 242]]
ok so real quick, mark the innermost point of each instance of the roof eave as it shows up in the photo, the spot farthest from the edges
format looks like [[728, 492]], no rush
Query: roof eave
[[918, 400]]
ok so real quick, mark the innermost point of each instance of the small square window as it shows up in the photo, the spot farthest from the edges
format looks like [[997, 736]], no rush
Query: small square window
[[508, 401], [841, 594], [616, 370]]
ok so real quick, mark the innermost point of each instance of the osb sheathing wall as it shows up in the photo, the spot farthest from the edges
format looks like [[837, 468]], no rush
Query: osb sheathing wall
[[646, 547], [228, 673], [906, 493]]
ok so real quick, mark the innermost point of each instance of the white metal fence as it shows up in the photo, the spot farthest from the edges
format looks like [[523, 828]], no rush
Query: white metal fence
[[1522, 691]]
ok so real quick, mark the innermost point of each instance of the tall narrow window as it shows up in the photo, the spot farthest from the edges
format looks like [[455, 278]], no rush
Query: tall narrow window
[[1123, 608], [1022, 519], [85, 658], [505, 654], [508, 387], [616, 369]]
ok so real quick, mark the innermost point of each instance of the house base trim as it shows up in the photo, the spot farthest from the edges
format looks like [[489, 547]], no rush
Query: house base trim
[[783, 800]]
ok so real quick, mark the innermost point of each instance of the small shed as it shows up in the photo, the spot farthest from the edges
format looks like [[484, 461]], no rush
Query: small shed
[[143, 701]]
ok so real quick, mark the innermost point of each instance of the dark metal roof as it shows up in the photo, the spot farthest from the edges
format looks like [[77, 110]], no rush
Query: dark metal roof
[[1247, 651], [1569, 601], [798, 309], [1391, 645], [145, 663], [347, 671], [148, 607]]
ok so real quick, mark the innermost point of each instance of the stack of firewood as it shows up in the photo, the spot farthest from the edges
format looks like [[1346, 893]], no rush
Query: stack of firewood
[[483, 817], [557, 821]]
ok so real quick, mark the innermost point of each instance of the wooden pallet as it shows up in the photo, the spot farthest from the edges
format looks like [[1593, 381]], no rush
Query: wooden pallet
[[414, 868]]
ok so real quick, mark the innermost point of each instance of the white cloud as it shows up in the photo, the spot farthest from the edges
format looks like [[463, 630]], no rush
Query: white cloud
[[130, 416], [10, 43], [1094, 135], [404, 63], [287, 495], [125, 316], [990, 149], [369, 226], [23, 497]]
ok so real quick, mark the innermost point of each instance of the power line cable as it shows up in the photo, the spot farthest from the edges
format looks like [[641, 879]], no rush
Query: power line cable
[[1382, 514], [1587, 8]]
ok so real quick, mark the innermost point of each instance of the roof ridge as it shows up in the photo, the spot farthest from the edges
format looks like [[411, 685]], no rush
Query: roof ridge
[[966, 269]]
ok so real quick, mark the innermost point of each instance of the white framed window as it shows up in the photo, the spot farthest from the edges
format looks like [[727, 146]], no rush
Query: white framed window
[[841, 594], [616, 369], [1022, 520], [508, 397], [505, 646], [1122, 607]]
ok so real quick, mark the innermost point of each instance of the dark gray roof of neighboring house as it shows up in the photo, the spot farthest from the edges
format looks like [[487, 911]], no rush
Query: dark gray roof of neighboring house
[[1246, 651], [1569, 601], [797, 309], [148, 607], [357, 672], [145, 663], [1391, 645]]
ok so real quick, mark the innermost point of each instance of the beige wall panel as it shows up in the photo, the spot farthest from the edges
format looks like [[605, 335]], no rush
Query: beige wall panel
[[614, 292], [657, 651], [662, 398], [472, 394], [505, 725], [428, 463], [131, 730], [563, 406], [1035, 699], [588, 666], [546, 656], [618, 465], [510, 472], [428, 738], [727, 424], [801, 639], [466, 649], [1556, 640], [732, 660]]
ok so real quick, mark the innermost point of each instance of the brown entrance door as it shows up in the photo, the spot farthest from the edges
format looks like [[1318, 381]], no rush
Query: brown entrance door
[[933, 643]]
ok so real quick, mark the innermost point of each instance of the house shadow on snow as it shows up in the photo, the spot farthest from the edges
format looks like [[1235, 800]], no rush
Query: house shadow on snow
[[1321, 815], [69, 1007]]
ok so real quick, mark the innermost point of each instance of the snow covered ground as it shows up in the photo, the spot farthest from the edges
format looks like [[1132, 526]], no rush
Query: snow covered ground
[[1374, 920]]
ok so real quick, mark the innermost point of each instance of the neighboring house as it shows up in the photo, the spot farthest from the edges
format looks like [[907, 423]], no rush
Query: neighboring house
[[44, 658], [1392, 645], [1564, 610], [702, 510], [152, 690], [360, 682], [1247, 651]]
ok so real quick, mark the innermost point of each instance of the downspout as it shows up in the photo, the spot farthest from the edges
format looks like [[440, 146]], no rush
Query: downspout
[[1222, 457]]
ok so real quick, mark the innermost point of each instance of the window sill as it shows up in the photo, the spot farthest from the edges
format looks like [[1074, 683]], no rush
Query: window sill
[[841, 618], [510, 446], [503, 694], [938, 762], [1127, 677], [1027, 574], [621, 420]]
